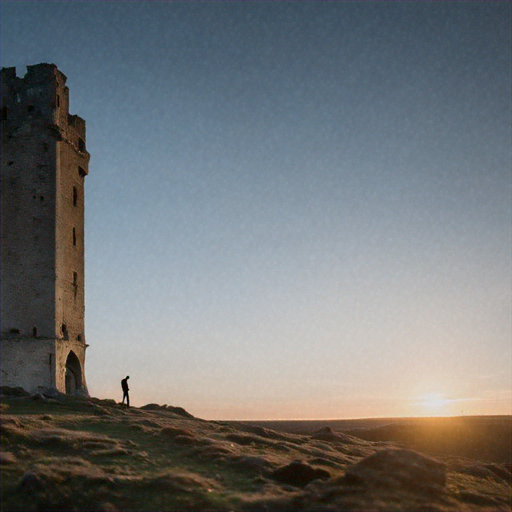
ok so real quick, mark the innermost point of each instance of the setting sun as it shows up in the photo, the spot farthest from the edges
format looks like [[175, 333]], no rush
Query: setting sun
[[434, 404]]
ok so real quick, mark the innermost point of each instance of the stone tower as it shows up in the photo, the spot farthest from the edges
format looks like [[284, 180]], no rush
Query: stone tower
[[44, 165]]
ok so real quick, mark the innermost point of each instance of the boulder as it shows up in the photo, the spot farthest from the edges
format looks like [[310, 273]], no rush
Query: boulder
[[51, 393], [299, 474], [38, 397], [152, 407], [7, 458], [16, 391], [31, 482], [179, 411], [397, 468], [327, 434], [168, 408]]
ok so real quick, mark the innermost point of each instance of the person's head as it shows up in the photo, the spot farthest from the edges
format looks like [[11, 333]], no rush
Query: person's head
[[127, 377]]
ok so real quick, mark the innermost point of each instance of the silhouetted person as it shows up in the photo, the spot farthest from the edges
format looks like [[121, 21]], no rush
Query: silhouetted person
[[124, 385]]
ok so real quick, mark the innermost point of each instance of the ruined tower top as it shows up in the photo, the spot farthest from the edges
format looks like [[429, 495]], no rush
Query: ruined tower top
[[41, 96]]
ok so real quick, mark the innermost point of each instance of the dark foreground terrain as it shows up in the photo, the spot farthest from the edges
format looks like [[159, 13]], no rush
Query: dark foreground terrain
[[85, 454]]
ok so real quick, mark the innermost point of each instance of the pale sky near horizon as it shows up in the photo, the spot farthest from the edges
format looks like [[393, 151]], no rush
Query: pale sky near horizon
[[293, 209]]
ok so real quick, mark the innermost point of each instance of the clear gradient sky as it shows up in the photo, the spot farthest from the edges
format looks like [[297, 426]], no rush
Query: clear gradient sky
[[293, 209]]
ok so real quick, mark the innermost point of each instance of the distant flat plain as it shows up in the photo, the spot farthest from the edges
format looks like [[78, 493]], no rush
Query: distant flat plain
[[485, 438]]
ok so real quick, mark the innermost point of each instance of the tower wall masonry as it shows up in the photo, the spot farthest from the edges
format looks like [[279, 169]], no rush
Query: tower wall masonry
[[44, 163]]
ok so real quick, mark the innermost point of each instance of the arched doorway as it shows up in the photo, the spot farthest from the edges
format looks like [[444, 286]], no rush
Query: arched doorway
[[73, 374]]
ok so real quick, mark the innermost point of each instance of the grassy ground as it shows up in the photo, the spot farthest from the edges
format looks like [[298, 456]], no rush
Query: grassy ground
[[484, 438], [88, 454]]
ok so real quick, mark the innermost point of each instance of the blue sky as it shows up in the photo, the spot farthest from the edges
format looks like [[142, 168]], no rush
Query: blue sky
[[293, 209]]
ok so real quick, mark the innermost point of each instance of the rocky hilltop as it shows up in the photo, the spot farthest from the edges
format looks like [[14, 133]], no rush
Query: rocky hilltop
[[86, 454]]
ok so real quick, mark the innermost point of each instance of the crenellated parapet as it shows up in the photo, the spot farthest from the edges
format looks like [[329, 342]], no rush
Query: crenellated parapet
[[41, 97]]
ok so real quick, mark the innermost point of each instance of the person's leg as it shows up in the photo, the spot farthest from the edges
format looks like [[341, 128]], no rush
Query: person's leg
[[127, 400]]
